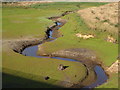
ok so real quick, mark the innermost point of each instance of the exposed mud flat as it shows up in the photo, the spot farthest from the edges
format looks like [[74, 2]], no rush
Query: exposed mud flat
[[18, 45], [86, 56]]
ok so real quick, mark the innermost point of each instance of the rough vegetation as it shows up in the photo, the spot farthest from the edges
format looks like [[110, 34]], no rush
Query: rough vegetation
[[26, 3], [103, 18]]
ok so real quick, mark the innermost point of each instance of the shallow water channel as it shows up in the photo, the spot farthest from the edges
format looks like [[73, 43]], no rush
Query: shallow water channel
[[101, 75]]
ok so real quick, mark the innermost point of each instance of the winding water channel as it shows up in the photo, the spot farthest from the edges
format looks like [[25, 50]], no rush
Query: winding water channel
[[100, 73]]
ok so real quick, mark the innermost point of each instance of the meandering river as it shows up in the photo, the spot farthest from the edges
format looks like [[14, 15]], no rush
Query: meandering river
[[101, 75]]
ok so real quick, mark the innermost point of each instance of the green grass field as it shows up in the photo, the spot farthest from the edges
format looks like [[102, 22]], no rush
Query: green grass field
[[21, 22], [18, 21]]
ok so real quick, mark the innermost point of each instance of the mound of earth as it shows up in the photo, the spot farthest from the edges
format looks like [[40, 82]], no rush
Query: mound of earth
[[103, 18], [86, 56]]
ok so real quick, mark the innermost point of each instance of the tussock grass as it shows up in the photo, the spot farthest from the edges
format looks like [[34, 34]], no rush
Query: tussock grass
[[103, 18]]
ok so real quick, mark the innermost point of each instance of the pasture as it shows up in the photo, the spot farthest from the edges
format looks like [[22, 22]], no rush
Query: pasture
[[19, 22]]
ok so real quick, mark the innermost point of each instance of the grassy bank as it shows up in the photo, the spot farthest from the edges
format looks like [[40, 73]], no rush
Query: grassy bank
[[107, 52], [37, 68], [112, 82]]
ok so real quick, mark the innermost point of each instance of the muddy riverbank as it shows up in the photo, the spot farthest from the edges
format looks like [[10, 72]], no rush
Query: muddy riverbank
[[95, 68], [86, 56], [18, 45]]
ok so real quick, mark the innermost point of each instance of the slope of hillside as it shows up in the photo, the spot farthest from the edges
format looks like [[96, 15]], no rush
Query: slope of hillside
[[103, 18]]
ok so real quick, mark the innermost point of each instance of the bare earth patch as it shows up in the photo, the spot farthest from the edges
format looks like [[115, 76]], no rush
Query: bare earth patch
[[111, 39], [18, 45], [85, 36], [114, 67]]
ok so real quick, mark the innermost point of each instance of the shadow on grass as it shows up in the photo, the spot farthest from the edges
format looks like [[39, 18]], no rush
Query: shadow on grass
[[10, 81]]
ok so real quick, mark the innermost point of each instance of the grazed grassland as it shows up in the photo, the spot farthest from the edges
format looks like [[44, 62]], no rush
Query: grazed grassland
[[31, 21]]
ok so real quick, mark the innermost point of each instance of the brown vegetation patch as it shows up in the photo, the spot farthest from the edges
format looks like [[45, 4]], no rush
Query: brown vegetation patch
[[26, 3], [111, 39], [85, 36], [103, 18]]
